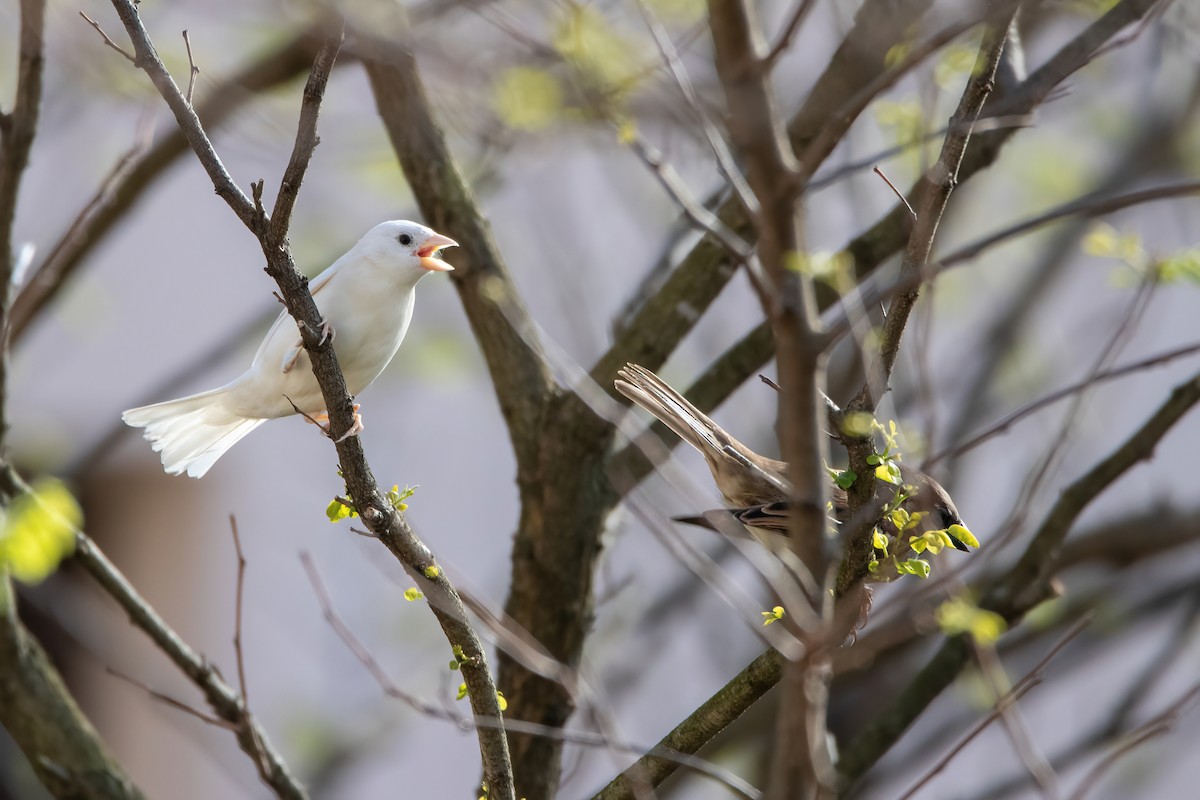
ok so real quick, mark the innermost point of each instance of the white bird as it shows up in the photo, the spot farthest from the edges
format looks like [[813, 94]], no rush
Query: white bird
[[366, 301]]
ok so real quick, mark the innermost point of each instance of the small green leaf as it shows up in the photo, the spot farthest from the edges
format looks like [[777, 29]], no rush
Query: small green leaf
[[501, 701], [528, 98], [462, 691], [338, 510], [914, 566], [963, 535], [412, 593], [774, 615], [432, 572], [961, 616], [888, 472], [846, 478]]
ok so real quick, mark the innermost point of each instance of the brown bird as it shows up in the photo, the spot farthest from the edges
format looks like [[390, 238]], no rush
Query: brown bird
[[755, 487]]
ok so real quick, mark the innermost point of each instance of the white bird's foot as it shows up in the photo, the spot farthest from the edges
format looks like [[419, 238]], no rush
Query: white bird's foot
[[355, 429], [327, 333], [321, 420]]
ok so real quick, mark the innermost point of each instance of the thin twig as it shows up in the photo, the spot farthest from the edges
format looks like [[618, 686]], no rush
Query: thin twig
[[789, 32], [1037, 405], [708, 222], [107, 40], [389, 687], [1031, 679], [172, 702], [1014, 722], [194, 71], [683, 81], [1138, 736], [895, 191], [237, 640]]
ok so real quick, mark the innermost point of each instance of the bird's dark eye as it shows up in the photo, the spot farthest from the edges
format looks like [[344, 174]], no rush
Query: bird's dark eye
[[404, 239]]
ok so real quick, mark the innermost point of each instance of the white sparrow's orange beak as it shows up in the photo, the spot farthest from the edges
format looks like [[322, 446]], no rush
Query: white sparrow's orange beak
[[434, 243]]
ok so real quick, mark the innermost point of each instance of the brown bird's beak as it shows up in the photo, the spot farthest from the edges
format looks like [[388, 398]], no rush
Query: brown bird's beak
[[434, 243]]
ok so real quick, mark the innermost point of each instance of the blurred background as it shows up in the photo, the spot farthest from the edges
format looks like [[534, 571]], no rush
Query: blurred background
[[174, 300]]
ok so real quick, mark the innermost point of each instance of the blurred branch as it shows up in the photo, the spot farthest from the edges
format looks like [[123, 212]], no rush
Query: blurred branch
[[1013, 417], [1174, 645], [1157, 138], [373, 507], [39, 713], [1030, 680], [799, 12], [222, 698], [1154, 727], [700, 727], [498, 317], [1087, 207], [869, 249], [127, 183], [653, 332], [392, 690], [17, 129], [931, 206], [1020, 588]]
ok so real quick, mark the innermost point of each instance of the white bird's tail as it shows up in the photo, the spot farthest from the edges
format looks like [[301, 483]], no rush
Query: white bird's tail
[[191, 433]]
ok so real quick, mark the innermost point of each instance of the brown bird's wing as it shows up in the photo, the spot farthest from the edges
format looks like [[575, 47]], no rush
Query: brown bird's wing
[[743, 477]]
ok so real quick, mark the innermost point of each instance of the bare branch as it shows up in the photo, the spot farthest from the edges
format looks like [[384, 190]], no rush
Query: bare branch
[[108, 40], [194, 71], [1031, 679], [178, 705], [789, 32], [1157, 726], [933, 204], [895, 191], [1033, 407]]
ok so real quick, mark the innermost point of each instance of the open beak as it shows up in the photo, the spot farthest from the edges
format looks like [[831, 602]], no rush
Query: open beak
[[430, 261]]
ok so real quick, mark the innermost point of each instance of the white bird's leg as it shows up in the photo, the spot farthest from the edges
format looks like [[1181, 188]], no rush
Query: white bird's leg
[[290, 359]]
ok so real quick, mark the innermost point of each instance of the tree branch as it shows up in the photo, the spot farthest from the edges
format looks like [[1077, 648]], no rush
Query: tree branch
[[656, 328], [802, 764], [39, 713], [36, 709]]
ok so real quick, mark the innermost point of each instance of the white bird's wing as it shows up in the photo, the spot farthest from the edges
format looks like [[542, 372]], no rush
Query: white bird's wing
[[277, 327]]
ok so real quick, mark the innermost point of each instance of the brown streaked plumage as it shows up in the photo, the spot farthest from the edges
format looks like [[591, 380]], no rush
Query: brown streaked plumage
[[754, 486]]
